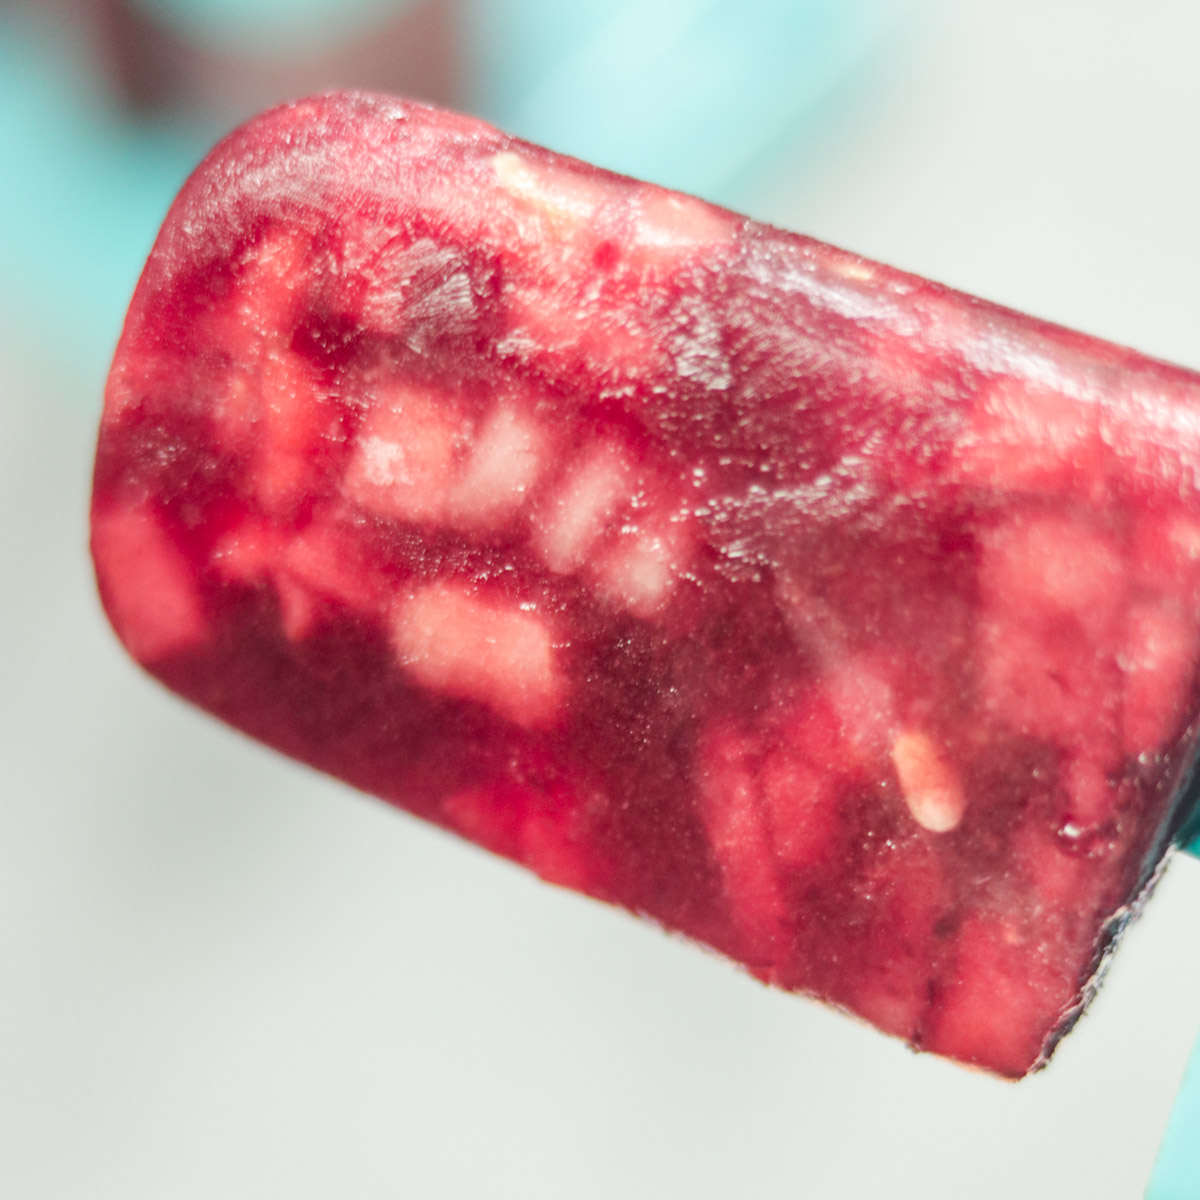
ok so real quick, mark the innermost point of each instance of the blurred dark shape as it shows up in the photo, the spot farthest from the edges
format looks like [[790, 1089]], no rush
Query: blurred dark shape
[[153, 68]]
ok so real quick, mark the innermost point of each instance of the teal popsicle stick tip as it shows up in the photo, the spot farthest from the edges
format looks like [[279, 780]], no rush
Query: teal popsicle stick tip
[[1189, 835], [1177, 1171]]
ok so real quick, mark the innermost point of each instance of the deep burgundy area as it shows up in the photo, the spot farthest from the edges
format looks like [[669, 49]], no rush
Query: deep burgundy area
[[837, 620]]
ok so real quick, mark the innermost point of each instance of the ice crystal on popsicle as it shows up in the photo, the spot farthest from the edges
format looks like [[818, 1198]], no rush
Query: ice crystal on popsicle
[[839, 621]]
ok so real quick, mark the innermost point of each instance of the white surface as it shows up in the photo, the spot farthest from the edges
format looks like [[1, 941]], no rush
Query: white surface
[[221, 976]]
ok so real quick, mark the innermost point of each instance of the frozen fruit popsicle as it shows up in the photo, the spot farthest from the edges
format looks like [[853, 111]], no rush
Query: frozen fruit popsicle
[[834, 619]]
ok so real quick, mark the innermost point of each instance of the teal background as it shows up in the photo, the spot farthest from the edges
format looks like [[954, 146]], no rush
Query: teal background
[[695, 94], [278, 27]]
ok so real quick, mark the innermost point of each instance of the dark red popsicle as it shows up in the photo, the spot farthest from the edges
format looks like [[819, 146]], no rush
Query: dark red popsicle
[[837, 620]]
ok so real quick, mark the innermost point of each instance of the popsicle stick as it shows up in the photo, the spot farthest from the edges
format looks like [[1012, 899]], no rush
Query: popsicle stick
[[1177, 1171], [1189, 835]]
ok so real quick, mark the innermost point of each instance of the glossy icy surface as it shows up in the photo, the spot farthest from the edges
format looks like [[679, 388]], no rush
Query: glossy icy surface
[[842, 622]]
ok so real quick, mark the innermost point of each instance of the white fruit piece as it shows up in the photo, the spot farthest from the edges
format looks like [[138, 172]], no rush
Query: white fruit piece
[[1034, 439], [565, 201], [248, 552], [669, 228], [270, 280], [271, 407], [403, 466], [498, 654], [1053, 592], [505, 462], [643, 567], [292, 421], [1153, 428], [592, 489], [859, 690], [801, 797], [928, 782], [857, 270], [738, 831], [1158, 662], [147, 584]]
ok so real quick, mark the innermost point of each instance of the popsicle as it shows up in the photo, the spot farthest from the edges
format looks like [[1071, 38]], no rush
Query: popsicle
[[836, 620]]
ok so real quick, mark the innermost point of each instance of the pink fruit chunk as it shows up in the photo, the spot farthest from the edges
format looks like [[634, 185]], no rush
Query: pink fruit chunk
[[839, 621]]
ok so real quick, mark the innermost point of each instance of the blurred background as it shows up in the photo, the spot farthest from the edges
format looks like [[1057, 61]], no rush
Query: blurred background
[[222, 976]]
